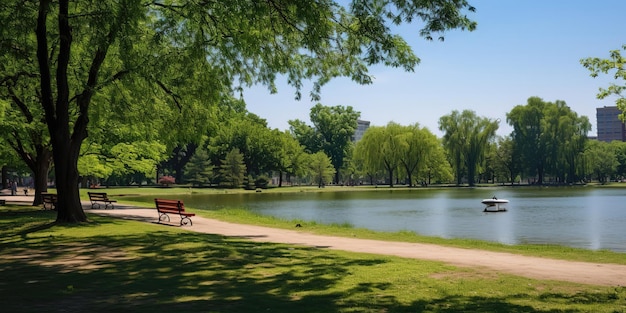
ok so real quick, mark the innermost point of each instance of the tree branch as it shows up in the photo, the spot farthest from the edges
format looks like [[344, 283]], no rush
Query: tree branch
[[84, 99], [47, 101], [14, 78], [21, 105], [284, 17], [174, 96], [18, 147], [114, 78]]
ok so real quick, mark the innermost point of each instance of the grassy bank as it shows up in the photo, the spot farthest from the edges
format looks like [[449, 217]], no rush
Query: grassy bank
[[117, 265], [549, 251]]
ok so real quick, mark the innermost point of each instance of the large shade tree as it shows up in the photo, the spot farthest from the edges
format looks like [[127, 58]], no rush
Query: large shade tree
[[550, 139], [601, 160], [506, 160], [291, 158], [527, 136], [332, 132], [66, 52], [565, 133], [258, 144]]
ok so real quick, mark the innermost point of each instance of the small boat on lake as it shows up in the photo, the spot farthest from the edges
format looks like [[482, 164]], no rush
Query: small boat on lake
[[494, 205]]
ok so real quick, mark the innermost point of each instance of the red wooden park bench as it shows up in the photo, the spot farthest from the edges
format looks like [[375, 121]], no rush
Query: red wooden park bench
[[165, 207]]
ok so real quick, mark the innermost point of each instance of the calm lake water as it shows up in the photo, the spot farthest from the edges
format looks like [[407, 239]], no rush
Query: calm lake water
[[582, 217]]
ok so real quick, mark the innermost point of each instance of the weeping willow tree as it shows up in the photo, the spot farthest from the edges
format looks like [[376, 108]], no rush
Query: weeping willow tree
[[550, 139], [380, 150], [467, 137]]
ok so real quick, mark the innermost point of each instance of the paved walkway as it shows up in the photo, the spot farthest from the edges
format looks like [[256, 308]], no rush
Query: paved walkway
[[533, 267], [21, 199]]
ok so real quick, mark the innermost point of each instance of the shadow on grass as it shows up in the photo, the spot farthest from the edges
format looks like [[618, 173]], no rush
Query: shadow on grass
[[20, 221], [36, 228], [159, 270]]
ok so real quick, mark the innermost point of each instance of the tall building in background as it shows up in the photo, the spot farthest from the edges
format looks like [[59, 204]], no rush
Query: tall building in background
[[362, 126], [610, 127]]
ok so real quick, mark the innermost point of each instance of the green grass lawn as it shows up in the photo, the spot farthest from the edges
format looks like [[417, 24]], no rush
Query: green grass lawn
[[110, 265]]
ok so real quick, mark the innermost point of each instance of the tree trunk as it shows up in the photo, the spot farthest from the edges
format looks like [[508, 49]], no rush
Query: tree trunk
[[65, 147], [40, 173], [471, 174], [38, 162], [458, 172], [69, 207], [409, 174], [56, 105]]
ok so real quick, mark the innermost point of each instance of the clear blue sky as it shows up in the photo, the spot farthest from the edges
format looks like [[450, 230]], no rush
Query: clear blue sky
[[519, 49]]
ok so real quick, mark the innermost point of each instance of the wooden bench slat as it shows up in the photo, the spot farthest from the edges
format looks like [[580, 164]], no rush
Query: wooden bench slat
[[96, 197], [167, 206], [49, 200]]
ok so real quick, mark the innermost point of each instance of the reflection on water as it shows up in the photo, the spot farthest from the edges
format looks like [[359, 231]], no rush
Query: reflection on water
[[590, 218]]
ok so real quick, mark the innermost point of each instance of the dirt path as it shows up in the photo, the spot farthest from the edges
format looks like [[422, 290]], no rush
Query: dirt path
[[533, 267]]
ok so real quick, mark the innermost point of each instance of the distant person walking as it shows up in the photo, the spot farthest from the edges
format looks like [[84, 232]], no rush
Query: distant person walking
[[14, 188]]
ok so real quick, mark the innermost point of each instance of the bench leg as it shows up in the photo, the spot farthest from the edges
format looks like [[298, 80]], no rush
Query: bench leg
[[163, 217], [109, 204], [95, 205], [184, 220]]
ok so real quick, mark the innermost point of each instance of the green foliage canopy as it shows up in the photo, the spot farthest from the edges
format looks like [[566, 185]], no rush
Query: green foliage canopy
[[399, 151], [550, 138], [613, 64], [321, 168], [199, 170], [182, 48], [379, 149], [233, 169], [602, 160], [467, 137], [332, 132]]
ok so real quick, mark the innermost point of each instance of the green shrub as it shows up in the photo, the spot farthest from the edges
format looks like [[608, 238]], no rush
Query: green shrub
[[262, 182]]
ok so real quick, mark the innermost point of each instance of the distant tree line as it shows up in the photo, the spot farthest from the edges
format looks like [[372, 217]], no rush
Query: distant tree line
[[548, 145]]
